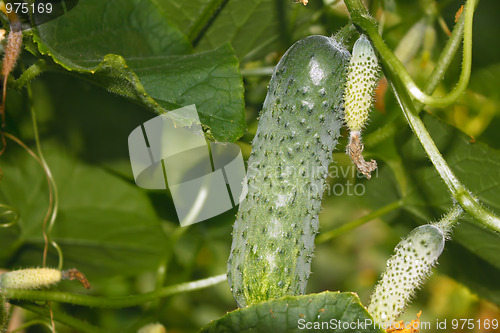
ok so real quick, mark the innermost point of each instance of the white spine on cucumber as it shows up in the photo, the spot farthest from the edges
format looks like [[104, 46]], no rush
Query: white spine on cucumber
[[406, 270], [362, 78]]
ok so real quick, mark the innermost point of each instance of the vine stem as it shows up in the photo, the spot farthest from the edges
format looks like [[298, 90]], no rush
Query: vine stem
[[459, 192], [31, 323], [448, 221], [30, 73], [463, 81], [8, 210], [111, 302], [326, 236], [62, 318], [362, 18], [396, 74], [207, 17], [53, 192], [444, 60]]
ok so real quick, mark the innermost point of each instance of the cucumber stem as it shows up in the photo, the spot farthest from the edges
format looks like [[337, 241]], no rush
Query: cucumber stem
[[111, 302], [396, 73], [362, 18], [355, 151]]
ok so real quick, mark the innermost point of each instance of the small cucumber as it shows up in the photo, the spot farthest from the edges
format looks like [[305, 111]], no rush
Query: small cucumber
[[273, 236], [362, 79], [37, 278], [30, 278], [406, 270]]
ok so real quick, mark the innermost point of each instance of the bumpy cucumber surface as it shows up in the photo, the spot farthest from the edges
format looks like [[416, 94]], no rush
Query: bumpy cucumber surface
[[406, 270], [362, 78], [30, 278], [273, 236]]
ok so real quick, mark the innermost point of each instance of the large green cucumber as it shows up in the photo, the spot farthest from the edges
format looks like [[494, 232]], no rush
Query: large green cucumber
[[273, 236]]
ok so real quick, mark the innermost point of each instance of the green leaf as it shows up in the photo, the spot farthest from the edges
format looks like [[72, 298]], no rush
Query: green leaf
[[475, 164], [211, 80], [105, 225], [486, 80], [290, 314], [479, 241], [128, 47], [250, 26], [81, 38], [469, 269], [183, 13]]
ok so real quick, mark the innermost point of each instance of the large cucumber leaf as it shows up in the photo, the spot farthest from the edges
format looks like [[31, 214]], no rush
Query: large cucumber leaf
[[105, 225], [251, 26], [130, 48], [323, 312]]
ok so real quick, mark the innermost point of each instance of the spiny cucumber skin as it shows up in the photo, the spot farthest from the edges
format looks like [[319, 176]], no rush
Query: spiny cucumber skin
[[3, 312], [273, 236], [406, 270], [362, 78], [30, 278]]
